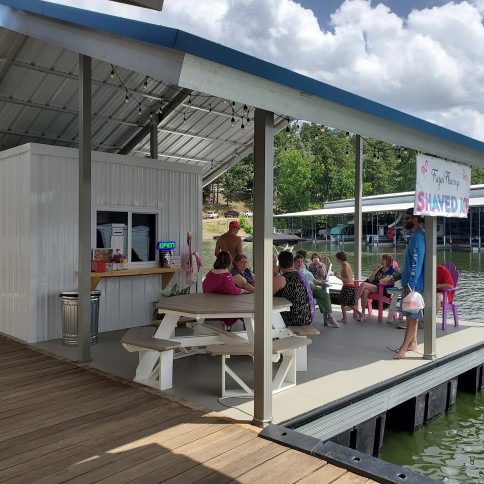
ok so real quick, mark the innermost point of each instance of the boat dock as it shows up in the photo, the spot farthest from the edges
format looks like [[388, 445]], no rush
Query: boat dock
[[352, 381], [64, 422]]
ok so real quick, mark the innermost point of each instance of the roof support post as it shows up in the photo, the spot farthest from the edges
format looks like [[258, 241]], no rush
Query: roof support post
[[154, 138], [358, 204], [263, 201], [430, 268], [84, 227]]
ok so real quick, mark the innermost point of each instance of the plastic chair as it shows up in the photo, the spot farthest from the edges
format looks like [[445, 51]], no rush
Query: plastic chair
[[382, 299], [446, 305]]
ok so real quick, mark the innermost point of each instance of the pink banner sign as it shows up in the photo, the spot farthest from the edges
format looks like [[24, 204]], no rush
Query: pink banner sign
[[442, 188]]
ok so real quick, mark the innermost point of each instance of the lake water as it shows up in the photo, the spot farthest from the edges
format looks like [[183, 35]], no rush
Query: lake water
[[450, 449]]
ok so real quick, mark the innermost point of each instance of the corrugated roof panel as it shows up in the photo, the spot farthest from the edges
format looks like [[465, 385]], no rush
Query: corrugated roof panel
[[39, 103]]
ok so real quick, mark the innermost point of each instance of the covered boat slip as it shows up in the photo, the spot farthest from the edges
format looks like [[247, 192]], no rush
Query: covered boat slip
[[189, 102], [342, 363]]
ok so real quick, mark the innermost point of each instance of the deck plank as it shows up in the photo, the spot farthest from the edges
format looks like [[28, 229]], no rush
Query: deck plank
[[327, 473], [290, 466], [135, 422], [230, 464], [183, 457], [84, 407], [350, 478], [62, 422]]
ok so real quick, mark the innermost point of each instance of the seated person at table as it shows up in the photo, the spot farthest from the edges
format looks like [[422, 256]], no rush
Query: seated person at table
[[317, 268], [243, 277], [297, 291], [219, 280], [320, 293], [278, 281], [381, 275], [304, 255]]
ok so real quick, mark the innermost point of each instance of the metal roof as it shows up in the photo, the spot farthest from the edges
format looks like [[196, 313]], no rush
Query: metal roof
[[38, 91], [39, 103], [390, 202], [391, 207]]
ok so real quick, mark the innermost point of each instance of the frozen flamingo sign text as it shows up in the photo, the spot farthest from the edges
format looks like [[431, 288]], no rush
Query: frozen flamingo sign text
[[442, 188]]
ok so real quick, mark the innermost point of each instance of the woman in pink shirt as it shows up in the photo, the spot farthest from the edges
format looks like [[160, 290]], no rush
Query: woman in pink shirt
[[219, 280]]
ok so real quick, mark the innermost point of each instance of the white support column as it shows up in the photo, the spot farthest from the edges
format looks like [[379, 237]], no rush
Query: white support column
[[263, 201], [430, 345], [84, 257], [358, 204], [479, 227]]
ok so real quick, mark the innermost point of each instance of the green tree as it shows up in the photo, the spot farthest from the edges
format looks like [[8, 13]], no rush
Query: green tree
[[406, 174], [237, 182], [333, 163], [292, 176], [314, 164], [477, 176], [380, 168]]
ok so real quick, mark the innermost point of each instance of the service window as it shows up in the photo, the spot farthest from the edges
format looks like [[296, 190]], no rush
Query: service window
[[132, 233], [143, 237]]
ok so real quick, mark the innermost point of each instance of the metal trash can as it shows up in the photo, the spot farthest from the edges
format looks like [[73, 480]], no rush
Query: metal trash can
[[70, 303]]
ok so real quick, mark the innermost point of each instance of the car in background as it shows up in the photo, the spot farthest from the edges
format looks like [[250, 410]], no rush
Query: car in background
[[247, 213], [231, 214], [212, 214]]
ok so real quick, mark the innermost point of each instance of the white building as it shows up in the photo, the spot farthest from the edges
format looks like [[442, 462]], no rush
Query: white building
[[39, 232]]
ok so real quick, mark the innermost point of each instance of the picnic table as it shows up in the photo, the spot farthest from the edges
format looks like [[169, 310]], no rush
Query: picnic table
[[155, 367]]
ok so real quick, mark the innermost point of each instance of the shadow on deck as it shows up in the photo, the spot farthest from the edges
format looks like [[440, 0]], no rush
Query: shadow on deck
[[61, 421]]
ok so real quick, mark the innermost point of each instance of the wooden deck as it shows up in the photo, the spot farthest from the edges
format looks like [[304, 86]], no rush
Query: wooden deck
[[63, 422]]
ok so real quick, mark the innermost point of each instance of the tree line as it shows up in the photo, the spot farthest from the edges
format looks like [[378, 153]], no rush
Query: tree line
[[315, 164]]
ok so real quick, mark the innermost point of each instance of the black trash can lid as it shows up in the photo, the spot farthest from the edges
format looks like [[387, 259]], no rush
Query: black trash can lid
[[75, 293]]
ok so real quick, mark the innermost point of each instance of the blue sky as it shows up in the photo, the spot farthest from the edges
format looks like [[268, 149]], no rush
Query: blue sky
[[324, 8], [422, 57]]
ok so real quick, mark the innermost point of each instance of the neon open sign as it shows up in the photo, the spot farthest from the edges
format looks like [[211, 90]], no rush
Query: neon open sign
[[166, 245]]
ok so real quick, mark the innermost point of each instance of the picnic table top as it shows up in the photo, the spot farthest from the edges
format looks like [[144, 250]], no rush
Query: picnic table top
[[201, 303]]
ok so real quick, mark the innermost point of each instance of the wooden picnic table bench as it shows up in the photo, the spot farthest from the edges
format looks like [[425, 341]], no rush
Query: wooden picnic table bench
[[155, 368], [305, 330], [151, 350], [285, 376]]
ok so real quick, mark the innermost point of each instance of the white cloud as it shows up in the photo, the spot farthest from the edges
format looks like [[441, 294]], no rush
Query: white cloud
[[479, 5], [465, 120], [430, 64]]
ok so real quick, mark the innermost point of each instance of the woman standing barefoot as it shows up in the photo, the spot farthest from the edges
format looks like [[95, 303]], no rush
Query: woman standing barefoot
[[347, 294]]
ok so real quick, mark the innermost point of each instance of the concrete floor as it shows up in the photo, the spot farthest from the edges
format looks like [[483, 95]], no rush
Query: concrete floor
[[341, 361]]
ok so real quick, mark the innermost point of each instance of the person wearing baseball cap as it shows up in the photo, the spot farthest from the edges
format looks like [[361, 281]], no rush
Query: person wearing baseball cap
[[412, 278], [229, 241]]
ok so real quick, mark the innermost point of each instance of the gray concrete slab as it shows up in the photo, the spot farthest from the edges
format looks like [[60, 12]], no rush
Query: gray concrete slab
[[341, 361]]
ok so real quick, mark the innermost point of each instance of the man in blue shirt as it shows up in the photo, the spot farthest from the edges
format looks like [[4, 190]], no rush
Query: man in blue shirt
[[412, 277]]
